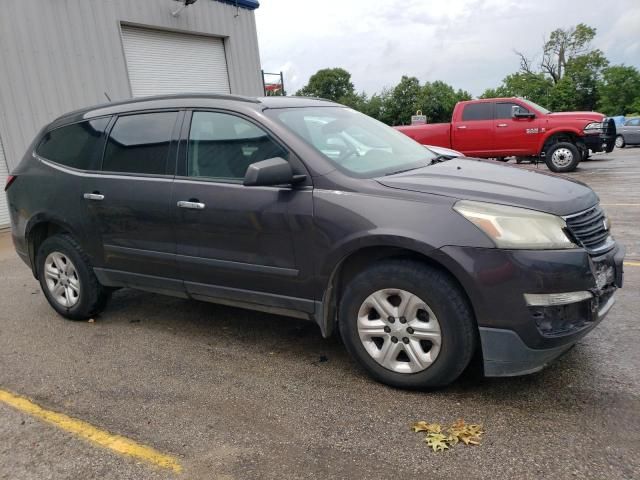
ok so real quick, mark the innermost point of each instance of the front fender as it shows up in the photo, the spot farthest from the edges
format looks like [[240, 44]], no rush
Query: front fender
[[556, 131]]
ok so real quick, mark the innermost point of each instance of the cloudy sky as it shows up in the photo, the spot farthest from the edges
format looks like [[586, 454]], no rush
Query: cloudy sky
[[467, 43]]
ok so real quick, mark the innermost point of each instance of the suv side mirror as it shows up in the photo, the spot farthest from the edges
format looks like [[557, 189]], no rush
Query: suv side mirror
[[516, 112], [273, 171]]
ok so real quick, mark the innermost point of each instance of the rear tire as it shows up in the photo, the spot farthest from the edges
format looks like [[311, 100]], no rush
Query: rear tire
[[562, 157], [620, 143], [67, 279], [435, 336]]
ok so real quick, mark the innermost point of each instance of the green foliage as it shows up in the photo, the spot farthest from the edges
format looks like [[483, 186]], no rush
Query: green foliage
[[403, 101], [437, 100], [619, 90], [330, 83], [572, 76], [534, 86]]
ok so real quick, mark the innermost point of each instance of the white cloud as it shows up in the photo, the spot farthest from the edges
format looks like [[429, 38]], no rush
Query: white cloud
[[467, 43]]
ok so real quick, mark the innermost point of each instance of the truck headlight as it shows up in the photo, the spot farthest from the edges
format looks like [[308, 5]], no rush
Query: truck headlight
[[516, 228], [594, 128]]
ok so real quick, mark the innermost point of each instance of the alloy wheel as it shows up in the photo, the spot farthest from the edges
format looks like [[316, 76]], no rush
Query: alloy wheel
[[399, 330], [62, 279]]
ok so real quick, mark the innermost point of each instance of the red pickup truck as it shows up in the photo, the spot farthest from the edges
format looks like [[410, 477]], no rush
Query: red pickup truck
[[504, 127]]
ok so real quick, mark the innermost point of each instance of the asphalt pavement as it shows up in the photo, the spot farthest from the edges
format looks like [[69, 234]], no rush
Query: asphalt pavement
[[235, 394]]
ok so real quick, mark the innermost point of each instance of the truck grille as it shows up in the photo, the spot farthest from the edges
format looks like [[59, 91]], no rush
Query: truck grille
[[589, 227]]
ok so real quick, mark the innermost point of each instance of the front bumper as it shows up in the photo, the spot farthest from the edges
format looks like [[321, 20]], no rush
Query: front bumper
[[517, 338], [603, 142]]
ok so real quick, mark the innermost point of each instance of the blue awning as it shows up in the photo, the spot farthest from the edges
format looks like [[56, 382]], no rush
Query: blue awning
[[250, 4]]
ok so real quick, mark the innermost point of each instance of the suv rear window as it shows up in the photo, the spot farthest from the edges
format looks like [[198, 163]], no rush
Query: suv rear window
[[76, 145], [478, 111], [140, 143]]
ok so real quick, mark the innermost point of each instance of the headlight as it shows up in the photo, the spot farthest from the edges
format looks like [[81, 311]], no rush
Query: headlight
[[594, 127], [518, 228]]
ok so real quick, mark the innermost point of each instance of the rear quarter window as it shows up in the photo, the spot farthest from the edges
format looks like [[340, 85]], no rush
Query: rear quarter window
[[477, 111], [78, 145], [140, 143]]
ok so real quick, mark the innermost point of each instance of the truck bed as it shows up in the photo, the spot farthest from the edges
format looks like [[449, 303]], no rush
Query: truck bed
[[437, 134]]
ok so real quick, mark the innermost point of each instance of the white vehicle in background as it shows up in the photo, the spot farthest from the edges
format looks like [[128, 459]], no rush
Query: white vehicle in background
[[444, 152]]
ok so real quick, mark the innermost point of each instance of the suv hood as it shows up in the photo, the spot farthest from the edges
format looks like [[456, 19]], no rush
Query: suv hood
[[486, 181]]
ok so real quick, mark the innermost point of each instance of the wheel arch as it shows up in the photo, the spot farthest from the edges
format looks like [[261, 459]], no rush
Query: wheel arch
[[555, 136], [356, 260], [39, 228]]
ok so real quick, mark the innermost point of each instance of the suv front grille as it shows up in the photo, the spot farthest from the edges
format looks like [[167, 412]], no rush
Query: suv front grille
[[589, 227]]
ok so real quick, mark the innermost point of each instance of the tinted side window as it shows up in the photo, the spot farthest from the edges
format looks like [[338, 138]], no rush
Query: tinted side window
[[222, 146], [634, 122], [503, 110], [76, 145], [140, 143], [478, 111]]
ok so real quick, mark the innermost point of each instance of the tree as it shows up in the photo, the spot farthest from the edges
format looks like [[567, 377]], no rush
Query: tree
[[619, 90], [403, 101], [559, 49], [437, 100], [533, 86], [569, 64], [330, 83]]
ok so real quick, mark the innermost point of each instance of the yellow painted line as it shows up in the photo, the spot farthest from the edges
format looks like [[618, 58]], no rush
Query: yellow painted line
[[117, 443], [632, 264]]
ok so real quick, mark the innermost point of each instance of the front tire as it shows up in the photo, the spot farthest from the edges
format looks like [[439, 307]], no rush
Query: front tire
[[407, 324], [67, 279], [620, 143], [562, 157]]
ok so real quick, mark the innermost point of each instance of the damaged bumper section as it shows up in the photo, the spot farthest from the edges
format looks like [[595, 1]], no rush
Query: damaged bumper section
[[535, 305]]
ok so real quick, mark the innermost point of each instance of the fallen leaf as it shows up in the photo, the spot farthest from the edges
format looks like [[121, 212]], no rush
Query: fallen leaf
[[426, 427], [437, 441], [469, 434]]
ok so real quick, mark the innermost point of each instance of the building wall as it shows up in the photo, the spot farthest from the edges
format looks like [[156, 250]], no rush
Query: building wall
[[60, 55]]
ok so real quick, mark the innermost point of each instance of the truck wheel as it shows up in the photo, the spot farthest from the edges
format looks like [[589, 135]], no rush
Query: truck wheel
[[407, 324], [620, 143], [562, 157], [67, 279]]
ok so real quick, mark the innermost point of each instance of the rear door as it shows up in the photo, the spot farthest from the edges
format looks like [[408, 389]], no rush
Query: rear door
[[128, 201], [515, 136], [473, 134], [239, 243]]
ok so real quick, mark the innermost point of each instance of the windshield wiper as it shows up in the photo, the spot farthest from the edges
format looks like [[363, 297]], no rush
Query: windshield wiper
[[401, 171]]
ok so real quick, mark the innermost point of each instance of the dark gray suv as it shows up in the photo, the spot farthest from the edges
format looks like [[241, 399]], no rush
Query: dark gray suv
[[305, 208]]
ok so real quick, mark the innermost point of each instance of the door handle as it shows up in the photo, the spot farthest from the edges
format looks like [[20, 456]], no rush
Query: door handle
[[191, 205], [502, 125], [93, 196], [461, 127]]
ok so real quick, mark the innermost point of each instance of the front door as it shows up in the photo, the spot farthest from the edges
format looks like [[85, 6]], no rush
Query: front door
[[128, 201], [238, 243], [631, 131], [513, 135]]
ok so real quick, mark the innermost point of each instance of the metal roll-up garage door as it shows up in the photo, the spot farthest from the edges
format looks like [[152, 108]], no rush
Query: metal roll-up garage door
[[4, 207], [161, 63]]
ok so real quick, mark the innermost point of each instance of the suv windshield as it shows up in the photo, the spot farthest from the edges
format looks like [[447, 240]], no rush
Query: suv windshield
[[353, 142], [542, 110]]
